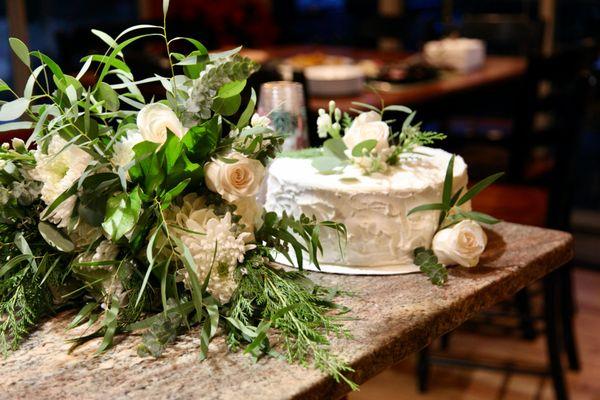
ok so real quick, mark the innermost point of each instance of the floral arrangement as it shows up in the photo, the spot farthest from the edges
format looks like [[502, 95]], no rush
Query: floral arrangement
[[143, 214], [369, 142]]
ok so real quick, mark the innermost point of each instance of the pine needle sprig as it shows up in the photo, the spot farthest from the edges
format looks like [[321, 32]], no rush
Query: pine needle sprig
[[300, 311]]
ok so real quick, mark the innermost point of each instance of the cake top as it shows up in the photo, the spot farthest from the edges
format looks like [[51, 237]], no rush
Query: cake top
[[425, 169]]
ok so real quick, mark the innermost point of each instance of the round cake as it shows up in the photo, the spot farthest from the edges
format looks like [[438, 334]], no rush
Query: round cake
[[373, 207]]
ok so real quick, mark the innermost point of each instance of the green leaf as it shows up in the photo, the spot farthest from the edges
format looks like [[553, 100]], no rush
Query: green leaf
[[209, 327], [364, 146], [15, 126], [398, 108], [230, 89], [82, 315], [55, 238], [427, 207], [14, 109], [224, 54], [20, 49], [336, 147], [227, 106], [58, 201], [3, 86], [429, 265], [367, 106], [122, 213], [58, 73], [448, 180], [110, 97], [201, 141], [189, 264], [326, 164], [479, 217], [105, 37], [478, 187], [248, 111], [110, 323], [171, 194]]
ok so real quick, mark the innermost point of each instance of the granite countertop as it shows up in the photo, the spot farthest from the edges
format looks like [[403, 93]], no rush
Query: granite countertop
[[395, 316]]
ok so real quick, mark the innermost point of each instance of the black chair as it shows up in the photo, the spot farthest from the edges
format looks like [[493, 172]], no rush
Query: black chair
[[565, 76]]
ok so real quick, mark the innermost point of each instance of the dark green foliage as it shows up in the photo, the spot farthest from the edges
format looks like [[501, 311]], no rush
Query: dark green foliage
[[429, 265], [299, 311]]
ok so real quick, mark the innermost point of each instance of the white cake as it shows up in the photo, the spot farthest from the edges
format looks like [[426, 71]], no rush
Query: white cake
[[374, 208]]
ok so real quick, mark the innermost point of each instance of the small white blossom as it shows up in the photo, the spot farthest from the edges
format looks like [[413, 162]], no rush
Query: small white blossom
[[123, 152], [323, 125], [260, 121]]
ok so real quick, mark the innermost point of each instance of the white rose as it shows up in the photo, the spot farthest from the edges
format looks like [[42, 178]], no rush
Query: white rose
[[153, 121], [460, 244], [234, 180], [367, 126]]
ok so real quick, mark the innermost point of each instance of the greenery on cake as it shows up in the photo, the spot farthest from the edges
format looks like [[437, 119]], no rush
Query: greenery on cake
[[367, 141], [143, 214]]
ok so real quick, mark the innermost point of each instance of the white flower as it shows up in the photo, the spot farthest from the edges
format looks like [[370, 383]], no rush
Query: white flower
[[58, 170], [460, 244], [234, 180], [213, 244], [153, 121], [365, 127], [123, 152], [250, 212], [323, 124], [258, 121]]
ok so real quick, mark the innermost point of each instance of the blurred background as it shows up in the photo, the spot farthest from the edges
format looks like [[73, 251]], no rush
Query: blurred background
[[520, 96]]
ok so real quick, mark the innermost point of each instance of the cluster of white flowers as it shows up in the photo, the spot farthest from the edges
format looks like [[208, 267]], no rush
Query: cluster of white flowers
[[213, 243], [57, 170], [329, 123]]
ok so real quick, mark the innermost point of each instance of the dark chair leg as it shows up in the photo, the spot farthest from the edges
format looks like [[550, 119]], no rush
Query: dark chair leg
[[551, 312], [445, 341], [423, 363], [523, 304], [568, 313]]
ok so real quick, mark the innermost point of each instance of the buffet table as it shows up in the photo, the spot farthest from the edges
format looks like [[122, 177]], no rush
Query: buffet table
[[496, 70], [394, 317]]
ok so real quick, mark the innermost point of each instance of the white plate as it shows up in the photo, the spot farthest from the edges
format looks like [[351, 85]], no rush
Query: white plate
[[349, 270]]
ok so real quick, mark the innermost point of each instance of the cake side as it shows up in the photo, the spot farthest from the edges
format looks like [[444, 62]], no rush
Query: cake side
[[374, 208]]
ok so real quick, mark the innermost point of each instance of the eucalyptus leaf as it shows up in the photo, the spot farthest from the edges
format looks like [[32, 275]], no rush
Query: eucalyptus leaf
[[122, 213], [227, 106], [326, 164], [231, 89], [336, 147], [55, 238], [3, 86], [15, 126], [398, 108], [14, 109], [364, 147], [427, 207], [108, 95], [20, 49]]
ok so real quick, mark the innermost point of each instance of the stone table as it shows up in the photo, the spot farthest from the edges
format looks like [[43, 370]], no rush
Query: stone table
[[395, 316]]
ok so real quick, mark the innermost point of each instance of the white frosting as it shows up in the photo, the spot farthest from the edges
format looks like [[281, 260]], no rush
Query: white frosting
[[373, 208]]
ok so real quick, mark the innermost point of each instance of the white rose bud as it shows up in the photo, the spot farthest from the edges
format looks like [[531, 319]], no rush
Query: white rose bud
[[153, 121], [337, 114], [236, 180], [323, 125], [331, 106], [367, 126], [460, 244]]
